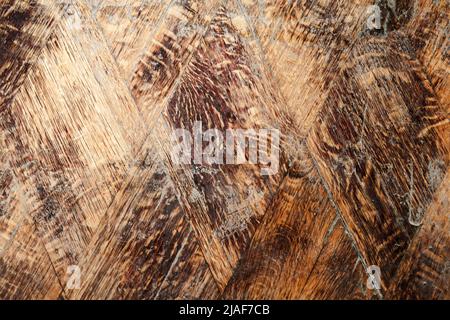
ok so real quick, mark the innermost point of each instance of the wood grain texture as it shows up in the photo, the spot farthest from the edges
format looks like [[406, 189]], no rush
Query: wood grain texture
[[219, 91], [26, 271], [13, 203], [380, 181], [303, 43], [428, 30], [302, 241], [128, 27], [144, 238], [424, 271], [164, 60], [67, 147], [92, 91], [25, 27], [338, 273], [167, 246]]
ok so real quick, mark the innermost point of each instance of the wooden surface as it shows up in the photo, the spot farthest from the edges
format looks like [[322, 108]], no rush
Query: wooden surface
[[91, 91]]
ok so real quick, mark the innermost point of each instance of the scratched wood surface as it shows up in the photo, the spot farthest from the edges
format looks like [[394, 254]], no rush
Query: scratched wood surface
[[93, 206]]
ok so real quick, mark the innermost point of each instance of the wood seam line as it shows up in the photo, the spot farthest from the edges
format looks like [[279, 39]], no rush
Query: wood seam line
[[337, 218], [341, 216], [161, 19], [438, 101], [105, 217], [151, 128], [267, 69], [333, 226], [273, 189], [49, 259], [325, 185], [38, 53], [411, 244]]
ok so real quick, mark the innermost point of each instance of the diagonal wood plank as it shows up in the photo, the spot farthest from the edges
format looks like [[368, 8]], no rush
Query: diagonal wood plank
[[304, 42], [25, 268], [143, 240], [220, 90], [374, 142], [163, 243], [424, 271], [128, 26], [428, 30], [70, 139], [299, 232]]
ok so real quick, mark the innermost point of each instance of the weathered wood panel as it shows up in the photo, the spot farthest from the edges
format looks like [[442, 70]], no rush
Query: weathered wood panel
[[69, 138], [128, 27], [219, 91], [143, 239], [300, 230], [26, 271], [375, 141], [304, 42], [91, 92], [424, 271], [338, 273]]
